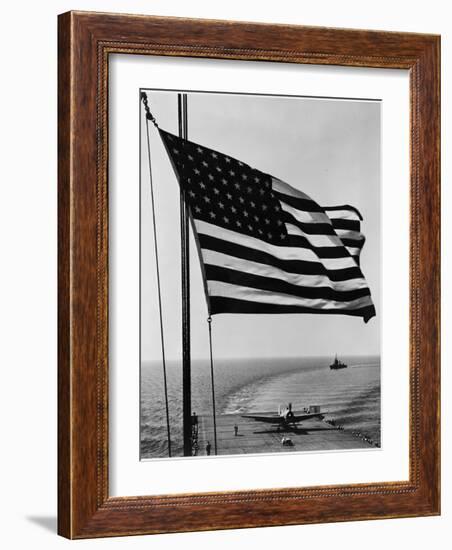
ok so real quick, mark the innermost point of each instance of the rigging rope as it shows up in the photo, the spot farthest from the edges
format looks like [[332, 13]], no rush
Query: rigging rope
[[149, 117], [209, 322]]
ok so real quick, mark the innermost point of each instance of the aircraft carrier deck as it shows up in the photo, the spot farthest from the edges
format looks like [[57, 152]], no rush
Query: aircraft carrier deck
[[260, 437]]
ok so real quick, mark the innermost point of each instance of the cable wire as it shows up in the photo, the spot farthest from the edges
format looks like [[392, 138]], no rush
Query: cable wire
[[148, 118]]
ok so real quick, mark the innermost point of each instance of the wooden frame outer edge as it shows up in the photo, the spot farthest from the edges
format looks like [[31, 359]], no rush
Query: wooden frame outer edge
[[84, 507], [64, 293]]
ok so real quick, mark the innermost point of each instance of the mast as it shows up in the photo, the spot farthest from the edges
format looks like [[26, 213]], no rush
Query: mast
[[185, 261]]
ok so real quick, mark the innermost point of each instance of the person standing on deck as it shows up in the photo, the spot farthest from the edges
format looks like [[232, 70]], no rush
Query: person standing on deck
[[208, 447], [236, 430]]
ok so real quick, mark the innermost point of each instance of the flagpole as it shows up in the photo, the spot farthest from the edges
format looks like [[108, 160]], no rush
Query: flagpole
[[185, 260]]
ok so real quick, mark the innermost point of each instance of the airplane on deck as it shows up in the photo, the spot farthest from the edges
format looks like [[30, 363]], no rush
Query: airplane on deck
[[286, 417]]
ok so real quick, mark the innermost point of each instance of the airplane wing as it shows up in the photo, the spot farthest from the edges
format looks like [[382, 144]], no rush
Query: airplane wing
[[274, 419]]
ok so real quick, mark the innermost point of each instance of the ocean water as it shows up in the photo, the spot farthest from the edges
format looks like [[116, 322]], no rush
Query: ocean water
[[350, 396]]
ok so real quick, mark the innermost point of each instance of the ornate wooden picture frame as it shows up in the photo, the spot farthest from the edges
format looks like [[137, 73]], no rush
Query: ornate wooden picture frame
[[86, 40]]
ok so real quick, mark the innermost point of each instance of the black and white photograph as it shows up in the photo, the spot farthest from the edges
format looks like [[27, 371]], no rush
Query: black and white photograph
[[260, 274], [224, 237]]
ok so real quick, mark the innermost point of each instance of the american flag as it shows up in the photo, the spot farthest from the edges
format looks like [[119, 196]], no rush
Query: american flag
[[266, 247]]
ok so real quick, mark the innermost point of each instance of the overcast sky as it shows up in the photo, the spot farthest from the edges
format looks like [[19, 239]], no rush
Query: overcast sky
[[329, 149]]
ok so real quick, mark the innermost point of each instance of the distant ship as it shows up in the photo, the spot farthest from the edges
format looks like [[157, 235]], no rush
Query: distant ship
[[338, 364]]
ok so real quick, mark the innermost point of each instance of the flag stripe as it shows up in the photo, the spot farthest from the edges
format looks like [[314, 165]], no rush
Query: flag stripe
[[306, 216], [353, 242], [342, 211], [301, 279], [316, 241], [302, 204], [300, 241], [278, 286], [221, 304], [318, 228], [345, 234], [228, 290], [354, 251], [281, 252], [343, 215], [352, 225], [292, 266]]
